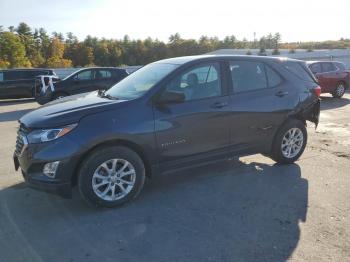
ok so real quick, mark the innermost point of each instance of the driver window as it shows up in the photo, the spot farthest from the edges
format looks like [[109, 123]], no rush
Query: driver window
[[198, 82], [85, 75]]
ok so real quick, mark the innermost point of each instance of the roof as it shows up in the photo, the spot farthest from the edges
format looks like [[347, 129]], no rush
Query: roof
[[26, 69], [185, 59]]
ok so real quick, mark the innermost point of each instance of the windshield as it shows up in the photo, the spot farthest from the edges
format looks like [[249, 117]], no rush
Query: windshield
[[138, 83]]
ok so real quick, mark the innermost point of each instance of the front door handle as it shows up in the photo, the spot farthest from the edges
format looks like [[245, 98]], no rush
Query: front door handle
[[281, 93], [219, 105]]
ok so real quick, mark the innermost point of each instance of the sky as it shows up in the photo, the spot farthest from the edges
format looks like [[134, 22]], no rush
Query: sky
[[296, 20]]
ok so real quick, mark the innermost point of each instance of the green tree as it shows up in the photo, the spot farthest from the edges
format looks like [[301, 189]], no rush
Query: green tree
[[12, 51]]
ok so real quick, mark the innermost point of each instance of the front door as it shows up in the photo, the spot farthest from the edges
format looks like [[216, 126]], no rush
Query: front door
[[197, 128], [83, 81]]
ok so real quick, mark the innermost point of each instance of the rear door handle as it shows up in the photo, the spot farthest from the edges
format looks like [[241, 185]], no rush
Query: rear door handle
[[281, 93], [219, 105]]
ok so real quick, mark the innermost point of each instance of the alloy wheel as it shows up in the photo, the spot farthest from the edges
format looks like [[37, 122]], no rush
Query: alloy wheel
[[292, 142], [113, 179]]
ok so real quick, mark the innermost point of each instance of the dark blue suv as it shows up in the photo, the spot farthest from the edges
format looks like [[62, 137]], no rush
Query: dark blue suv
[[169, 115]]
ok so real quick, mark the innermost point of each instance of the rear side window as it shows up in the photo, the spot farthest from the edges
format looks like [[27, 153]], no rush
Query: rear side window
[[316, 68], [273, 78], [101, 74], [299, 70], [328, 67], [1, 76], [12, 75], [247, 76], [37, 73], [27, 74]]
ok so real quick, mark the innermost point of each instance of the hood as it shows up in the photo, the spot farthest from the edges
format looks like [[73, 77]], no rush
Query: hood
[[67, 110]]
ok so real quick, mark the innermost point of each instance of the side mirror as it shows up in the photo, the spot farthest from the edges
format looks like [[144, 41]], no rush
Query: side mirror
[[171, 97]]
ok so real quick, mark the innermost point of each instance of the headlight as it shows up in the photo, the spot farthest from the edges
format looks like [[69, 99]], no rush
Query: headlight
[[44, 135]]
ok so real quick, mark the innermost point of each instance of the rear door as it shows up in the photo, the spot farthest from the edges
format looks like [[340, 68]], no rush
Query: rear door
[[329, 77], [316, 69], [258, 93], [26, 84], [11, 85], [104, 78]]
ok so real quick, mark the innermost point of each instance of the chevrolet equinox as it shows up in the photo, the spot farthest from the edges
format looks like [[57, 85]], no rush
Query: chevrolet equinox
[[169, 115]]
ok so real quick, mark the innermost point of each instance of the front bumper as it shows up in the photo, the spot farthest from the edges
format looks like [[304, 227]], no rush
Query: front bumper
[[42, 183], [32, 159]]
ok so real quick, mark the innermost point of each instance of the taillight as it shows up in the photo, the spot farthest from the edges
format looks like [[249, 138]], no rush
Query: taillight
[[317, 91]]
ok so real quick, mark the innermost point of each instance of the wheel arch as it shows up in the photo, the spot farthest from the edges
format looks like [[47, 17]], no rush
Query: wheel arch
[[117, 142]]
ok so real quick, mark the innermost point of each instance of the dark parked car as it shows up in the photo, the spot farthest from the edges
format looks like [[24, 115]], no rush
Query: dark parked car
[[82, 81], [168, 115], [19, 83], [333, 77]]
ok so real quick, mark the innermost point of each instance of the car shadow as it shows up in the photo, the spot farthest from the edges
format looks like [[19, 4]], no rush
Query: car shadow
[[332, 103], [229, 211], [13, 115]]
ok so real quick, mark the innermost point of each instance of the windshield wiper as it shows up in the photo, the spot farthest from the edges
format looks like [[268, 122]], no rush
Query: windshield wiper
[[102, 93]]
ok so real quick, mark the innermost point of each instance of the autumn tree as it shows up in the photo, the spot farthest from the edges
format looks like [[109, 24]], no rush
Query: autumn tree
[[12, 51], [56, 51]]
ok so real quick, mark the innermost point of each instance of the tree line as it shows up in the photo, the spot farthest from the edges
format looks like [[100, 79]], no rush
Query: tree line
[[23, 46]]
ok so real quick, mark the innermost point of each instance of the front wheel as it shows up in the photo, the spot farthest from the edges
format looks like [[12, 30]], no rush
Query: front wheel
[[289, 142], [339, 91], [111, 176]]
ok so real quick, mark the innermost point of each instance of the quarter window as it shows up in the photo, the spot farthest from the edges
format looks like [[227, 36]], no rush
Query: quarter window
[[300, 70], [198, 83], [248, 75]]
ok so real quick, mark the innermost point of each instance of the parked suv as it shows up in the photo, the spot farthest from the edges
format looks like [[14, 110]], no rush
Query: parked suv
[[81, 81], [332, 77], [169, 115], [19, 83]]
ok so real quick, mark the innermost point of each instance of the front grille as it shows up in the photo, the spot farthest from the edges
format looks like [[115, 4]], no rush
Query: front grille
[[21, 140]]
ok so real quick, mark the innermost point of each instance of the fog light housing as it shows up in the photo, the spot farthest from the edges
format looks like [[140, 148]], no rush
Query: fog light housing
[[50, 169]]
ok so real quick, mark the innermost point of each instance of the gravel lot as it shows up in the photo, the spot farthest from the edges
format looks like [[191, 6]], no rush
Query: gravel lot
[[240, 210]]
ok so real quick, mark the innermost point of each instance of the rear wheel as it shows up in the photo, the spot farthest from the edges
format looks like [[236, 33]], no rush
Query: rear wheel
[[111, 176], [339, 91], [290, 142]]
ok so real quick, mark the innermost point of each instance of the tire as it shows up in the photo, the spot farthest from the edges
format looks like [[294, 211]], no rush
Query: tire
[[297, 144], [339, 91], [93, 168]]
